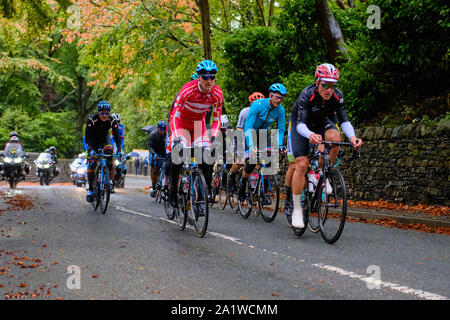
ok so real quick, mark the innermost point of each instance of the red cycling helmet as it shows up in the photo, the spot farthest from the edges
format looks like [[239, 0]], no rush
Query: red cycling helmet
[[327, 72], [255, 96]]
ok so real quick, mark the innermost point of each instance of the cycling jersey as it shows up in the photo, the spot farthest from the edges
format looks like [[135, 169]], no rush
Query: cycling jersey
[[315, 112], [96, 133], [242, 116], [261, 116], [191, 105], [156, 143]]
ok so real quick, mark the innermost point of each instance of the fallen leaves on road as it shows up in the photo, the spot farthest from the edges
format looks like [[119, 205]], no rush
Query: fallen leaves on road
[[432, 210]]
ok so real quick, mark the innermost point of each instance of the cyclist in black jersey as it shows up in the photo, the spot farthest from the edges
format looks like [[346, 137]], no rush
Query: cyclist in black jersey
[[97, 137], [157, 150], [314, 117]]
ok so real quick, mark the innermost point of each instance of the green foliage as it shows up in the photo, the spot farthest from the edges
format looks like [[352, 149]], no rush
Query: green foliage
[[40, 132]]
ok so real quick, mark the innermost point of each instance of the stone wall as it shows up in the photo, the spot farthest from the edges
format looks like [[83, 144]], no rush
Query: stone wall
[[407, 164]]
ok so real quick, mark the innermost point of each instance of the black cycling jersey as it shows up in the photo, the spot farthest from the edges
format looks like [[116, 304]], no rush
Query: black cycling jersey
[[157, 143], [316, 113], [97, 132]]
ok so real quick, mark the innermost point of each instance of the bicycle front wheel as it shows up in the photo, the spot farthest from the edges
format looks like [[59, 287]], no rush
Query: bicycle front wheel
[[199, 209], [332, 199], [269, 198], [104, 192]]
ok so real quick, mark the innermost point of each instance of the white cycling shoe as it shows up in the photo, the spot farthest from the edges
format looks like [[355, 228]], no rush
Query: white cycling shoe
[[297, 219]]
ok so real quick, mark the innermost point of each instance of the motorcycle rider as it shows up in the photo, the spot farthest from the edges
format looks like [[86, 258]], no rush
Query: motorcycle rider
[[54, 156], [14, 139]]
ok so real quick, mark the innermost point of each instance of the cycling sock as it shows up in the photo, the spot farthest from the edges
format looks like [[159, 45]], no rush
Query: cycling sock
[[297, 215]]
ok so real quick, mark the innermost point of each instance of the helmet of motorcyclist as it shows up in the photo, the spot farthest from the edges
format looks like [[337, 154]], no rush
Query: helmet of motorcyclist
[[52, 148], [13, 134], [14, 139]]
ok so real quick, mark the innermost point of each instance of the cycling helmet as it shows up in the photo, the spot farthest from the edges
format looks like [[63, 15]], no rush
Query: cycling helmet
[[327, 72], [13, 133], [103, 106], [255, 96], [117, 117], [278, 87], [162, 124], [206, 66], [224, 123], [194, 76]]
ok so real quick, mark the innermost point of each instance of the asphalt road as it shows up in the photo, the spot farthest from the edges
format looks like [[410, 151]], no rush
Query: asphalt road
[[62, 249]]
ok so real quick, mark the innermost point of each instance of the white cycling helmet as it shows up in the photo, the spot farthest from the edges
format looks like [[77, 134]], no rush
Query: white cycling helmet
[[224, 121]]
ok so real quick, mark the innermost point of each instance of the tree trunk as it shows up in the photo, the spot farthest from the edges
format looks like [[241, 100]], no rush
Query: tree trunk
[[331, 32], [206, 28], [259, 10], [271, 12]]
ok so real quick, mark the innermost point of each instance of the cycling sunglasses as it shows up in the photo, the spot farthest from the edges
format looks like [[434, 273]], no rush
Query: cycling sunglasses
[[208, 76], [104, 114], [328, 86]]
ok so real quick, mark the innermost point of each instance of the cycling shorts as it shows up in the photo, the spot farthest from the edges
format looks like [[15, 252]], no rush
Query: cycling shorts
[[300, 144]]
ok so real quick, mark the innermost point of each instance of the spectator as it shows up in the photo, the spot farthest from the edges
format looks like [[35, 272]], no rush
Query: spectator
[[145, 166], [136, 165]]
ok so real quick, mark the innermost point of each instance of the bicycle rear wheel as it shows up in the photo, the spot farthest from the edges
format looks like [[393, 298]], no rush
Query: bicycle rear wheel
[[245, 207], [332, 206], [313, 215], [104, 192], [215, 180], [96, 189], [180, 212], [199, 202], [268, 198]]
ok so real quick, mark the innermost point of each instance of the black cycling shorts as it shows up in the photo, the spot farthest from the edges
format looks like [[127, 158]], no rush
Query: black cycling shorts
[[300, 144]]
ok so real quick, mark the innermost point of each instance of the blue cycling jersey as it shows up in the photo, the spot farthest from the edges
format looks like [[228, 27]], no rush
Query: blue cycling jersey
[[260, 110]]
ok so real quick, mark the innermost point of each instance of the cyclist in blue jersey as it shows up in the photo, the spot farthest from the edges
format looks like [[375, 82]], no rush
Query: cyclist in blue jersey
[[121, 128], [262, 114]]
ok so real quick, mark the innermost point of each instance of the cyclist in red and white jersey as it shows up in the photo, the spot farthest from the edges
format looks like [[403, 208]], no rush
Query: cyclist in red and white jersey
[[187, 119]]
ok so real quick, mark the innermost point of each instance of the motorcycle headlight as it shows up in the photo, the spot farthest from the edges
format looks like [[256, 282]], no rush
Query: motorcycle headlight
[[117, 162], [81, 171], [39, 165], [8, 159], [18, 160], [46, 166]]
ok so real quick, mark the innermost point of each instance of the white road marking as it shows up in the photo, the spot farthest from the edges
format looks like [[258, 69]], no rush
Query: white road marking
[[393, 286]]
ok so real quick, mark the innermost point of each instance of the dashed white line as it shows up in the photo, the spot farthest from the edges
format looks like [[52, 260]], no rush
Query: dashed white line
[[393, 286]]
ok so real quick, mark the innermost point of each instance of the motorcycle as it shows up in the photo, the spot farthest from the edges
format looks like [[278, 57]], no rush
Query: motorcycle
[[45, 168], [78, 171], [13, 166], [121, 171]]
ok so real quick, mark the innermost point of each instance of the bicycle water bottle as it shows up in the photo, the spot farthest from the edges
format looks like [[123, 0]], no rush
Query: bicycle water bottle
[[313, 178], [185, 182], [253, 179]]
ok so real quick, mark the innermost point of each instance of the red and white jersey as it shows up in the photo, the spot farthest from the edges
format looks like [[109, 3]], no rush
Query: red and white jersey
[[192, 104]]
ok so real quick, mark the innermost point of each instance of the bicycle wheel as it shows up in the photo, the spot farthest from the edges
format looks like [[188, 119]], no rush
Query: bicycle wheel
[[332, 206], [181, 211], [245, 207], [96, 190], [222, 191], [170, 212], [232, 196], [268, 197], [313, 215], [215, 180], [199, 209], [104, 192]]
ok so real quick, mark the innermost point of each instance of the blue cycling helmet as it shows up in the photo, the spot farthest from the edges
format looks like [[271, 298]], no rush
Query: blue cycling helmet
[[162, 124], [278, 87], [194, 76], [206, 66], [103, 106]]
